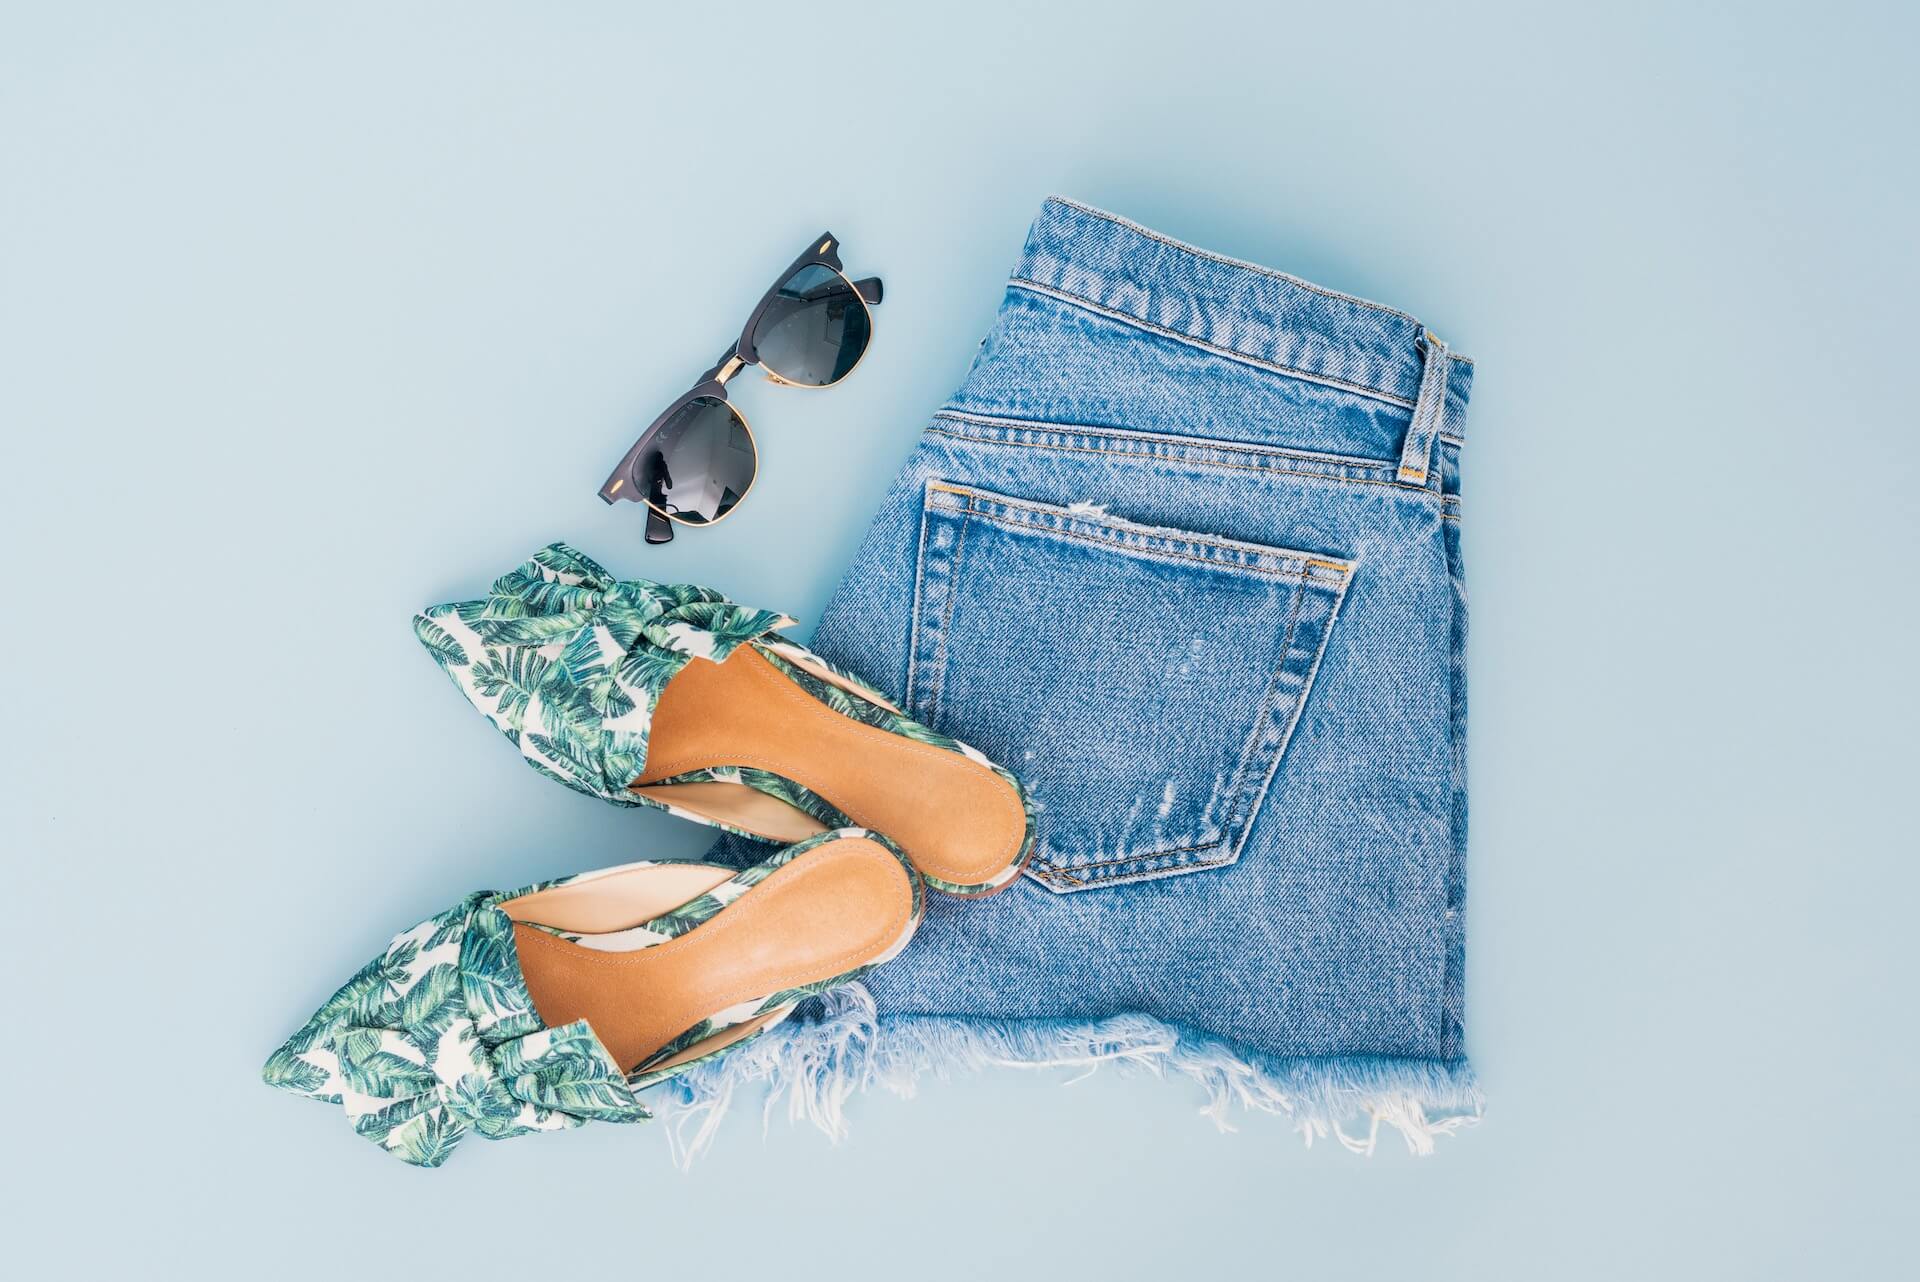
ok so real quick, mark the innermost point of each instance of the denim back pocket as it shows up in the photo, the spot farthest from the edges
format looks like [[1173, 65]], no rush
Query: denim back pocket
[[1147, 678]]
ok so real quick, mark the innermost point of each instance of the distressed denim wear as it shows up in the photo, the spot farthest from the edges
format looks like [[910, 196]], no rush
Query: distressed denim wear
[[1182, 553]]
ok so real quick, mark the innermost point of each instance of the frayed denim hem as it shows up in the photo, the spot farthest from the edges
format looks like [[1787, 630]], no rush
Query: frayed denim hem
[[813, 1064]]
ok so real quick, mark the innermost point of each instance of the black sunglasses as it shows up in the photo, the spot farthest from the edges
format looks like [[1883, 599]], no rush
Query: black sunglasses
[[696, 461]]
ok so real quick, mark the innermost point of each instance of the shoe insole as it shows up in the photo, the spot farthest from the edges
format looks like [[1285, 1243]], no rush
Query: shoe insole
[[721, 1040], [619, 899], [957, 820], [736, 804], [834, 909]]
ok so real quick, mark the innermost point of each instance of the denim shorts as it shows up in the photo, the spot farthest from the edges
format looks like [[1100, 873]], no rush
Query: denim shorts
[[1183, 553]]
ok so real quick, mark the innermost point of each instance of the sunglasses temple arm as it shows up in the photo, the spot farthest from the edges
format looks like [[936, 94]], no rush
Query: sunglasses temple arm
[[659, 528], [659, 482], [869, 288]]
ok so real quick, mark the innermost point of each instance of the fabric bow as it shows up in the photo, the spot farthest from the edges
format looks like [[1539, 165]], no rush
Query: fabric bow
[[569, 662], [437, 1036]]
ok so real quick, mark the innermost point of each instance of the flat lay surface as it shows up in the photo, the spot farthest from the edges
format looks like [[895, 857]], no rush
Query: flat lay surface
[[314, 316]]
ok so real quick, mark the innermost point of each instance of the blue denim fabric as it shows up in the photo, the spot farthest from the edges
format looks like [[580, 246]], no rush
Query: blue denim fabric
[[1182, 553]]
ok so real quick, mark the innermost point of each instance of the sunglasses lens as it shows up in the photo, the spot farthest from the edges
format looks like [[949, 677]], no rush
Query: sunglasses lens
[[700, 463], [815, 328]]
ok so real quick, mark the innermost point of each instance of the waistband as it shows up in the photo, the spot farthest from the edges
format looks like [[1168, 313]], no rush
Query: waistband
[[1098, 260]]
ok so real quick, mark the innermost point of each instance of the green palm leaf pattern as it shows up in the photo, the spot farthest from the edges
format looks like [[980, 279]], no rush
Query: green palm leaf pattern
[[565, 755], [289, 1072], [379, 1072], [799, 796], [438, 1035], [426, 1141], [646, 668], [430, 1007], [490, 982], [381, 1124], [511, 678], [363, 995], [444, 649], [570, 663]]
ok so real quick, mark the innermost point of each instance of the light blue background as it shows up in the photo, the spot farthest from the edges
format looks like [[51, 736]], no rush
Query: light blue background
[[310, 315]]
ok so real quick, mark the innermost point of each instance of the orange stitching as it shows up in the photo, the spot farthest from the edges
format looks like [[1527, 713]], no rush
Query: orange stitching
[[954, 566], [989, 499], [1017, 523], [1013, 522], [1130, 859], [1172, 440]]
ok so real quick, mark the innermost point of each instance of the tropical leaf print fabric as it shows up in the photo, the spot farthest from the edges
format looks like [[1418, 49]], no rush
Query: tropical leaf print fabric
[[570, 663], [438, 1035]]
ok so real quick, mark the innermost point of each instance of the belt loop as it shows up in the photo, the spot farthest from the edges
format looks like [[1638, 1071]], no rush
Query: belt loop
[[1429, 410]]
